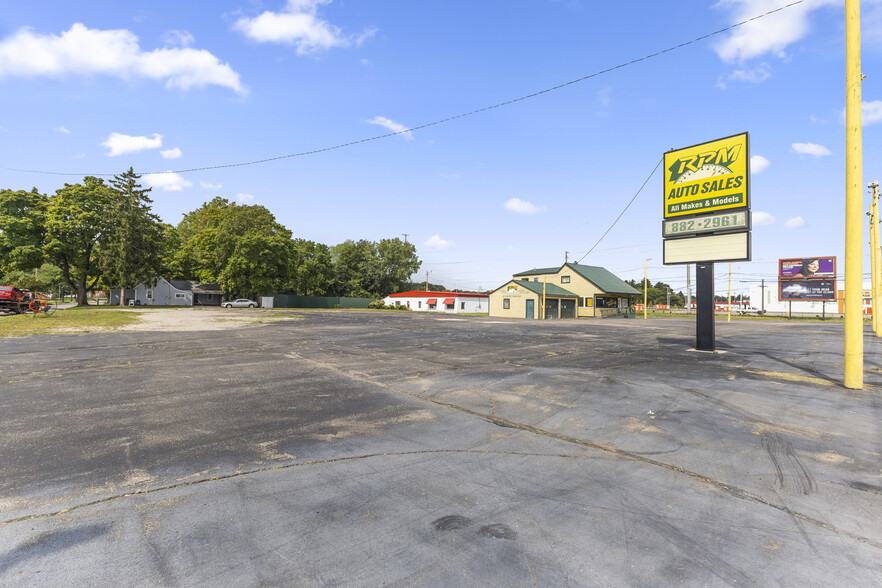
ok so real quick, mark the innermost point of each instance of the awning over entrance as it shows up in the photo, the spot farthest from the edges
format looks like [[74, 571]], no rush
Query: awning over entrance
[[432, 301], [450, 301]]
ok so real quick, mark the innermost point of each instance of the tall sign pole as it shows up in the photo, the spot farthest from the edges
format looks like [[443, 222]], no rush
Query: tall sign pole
[[854, 324], [706, 217]]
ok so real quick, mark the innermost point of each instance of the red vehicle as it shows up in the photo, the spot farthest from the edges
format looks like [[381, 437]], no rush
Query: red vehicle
[[13, 300]]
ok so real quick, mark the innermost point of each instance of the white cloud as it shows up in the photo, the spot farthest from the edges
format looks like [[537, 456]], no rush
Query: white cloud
[[522, 206], [62, 130], [298, 24], [245, 198], [168, 181], [170, 153], [604, 96], [120, 144], [758, 163], [178, 38], [436, 242], [871, 112], [810, 149], [392, 126], [761, 218], [755, 75], [770, 34], [795, 222], [85, 51], [208, 186]]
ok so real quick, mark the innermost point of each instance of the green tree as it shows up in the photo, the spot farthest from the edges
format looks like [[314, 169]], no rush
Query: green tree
[[357, 268], [242, 248], [132, 248], [313, 271], [259, 265], [22, 229], [372, 270], [398, 261], [76, 219]]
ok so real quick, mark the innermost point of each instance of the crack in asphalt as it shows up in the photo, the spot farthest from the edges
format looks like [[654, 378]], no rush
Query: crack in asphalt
[[731, 490], [620, 453], [275, 468]]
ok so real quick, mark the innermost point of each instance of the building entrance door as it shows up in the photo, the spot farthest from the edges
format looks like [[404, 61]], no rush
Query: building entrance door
[[551, 309], [567, 309], [530, 304]]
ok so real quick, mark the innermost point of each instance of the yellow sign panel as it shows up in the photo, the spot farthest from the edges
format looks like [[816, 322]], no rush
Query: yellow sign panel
[[707, 177]]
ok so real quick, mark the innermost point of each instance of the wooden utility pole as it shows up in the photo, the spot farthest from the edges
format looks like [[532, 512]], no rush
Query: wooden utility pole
[[854, 323], [875, 276]]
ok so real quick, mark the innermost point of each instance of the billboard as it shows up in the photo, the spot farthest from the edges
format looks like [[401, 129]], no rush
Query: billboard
[[707, 177], [807, 268], [807, 290]]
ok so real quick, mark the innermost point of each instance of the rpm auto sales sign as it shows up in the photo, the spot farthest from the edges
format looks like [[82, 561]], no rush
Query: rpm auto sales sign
[[707, 177]]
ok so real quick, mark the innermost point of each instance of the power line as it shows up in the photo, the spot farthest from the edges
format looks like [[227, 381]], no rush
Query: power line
[[440, 121], [652, 173]]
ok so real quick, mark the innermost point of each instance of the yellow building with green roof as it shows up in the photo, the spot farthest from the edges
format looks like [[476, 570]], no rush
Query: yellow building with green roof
[[569, 291]]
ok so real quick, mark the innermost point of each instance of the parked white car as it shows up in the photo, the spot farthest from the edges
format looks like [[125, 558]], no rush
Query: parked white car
[[240, 303], [751, 310]]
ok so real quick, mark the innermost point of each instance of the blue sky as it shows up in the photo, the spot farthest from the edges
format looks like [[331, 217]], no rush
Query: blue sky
[[93, 88]]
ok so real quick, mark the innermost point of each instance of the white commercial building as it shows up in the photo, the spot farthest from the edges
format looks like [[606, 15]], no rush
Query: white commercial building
[[765, 298], [453, 302]]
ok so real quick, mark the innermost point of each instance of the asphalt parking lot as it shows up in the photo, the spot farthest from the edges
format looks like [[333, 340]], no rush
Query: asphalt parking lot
[[369, 449]]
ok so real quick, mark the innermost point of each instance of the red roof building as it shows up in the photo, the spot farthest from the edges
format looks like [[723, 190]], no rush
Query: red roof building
[[451, 302]]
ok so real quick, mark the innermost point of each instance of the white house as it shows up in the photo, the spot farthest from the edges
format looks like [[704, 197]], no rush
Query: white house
[[452, 302]]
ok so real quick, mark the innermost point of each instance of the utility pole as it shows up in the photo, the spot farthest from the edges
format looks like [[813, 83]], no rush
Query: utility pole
[[854, 324], [427, 281], [875, 318], [763, 296], [688, 288], [875, 278], [405, 237], [669, 298], [729, 304]]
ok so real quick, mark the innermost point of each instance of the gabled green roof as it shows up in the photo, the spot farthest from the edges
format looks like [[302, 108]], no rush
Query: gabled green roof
[[605, 280], [538, 271], [550, 289]]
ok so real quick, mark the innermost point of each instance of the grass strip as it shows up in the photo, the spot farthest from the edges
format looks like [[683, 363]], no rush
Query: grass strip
[[69, 320]]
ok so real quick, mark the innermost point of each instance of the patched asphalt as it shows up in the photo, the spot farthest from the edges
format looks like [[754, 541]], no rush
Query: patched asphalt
[[367, 449]]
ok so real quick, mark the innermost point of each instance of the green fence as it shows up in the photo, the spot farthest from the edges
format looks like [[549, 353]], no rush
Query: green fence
[[289, 301]]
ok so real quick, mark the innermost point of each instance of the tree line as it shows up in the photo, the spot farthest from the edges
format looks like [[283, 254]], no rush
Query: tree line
[[104, 234], [658, 294]]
